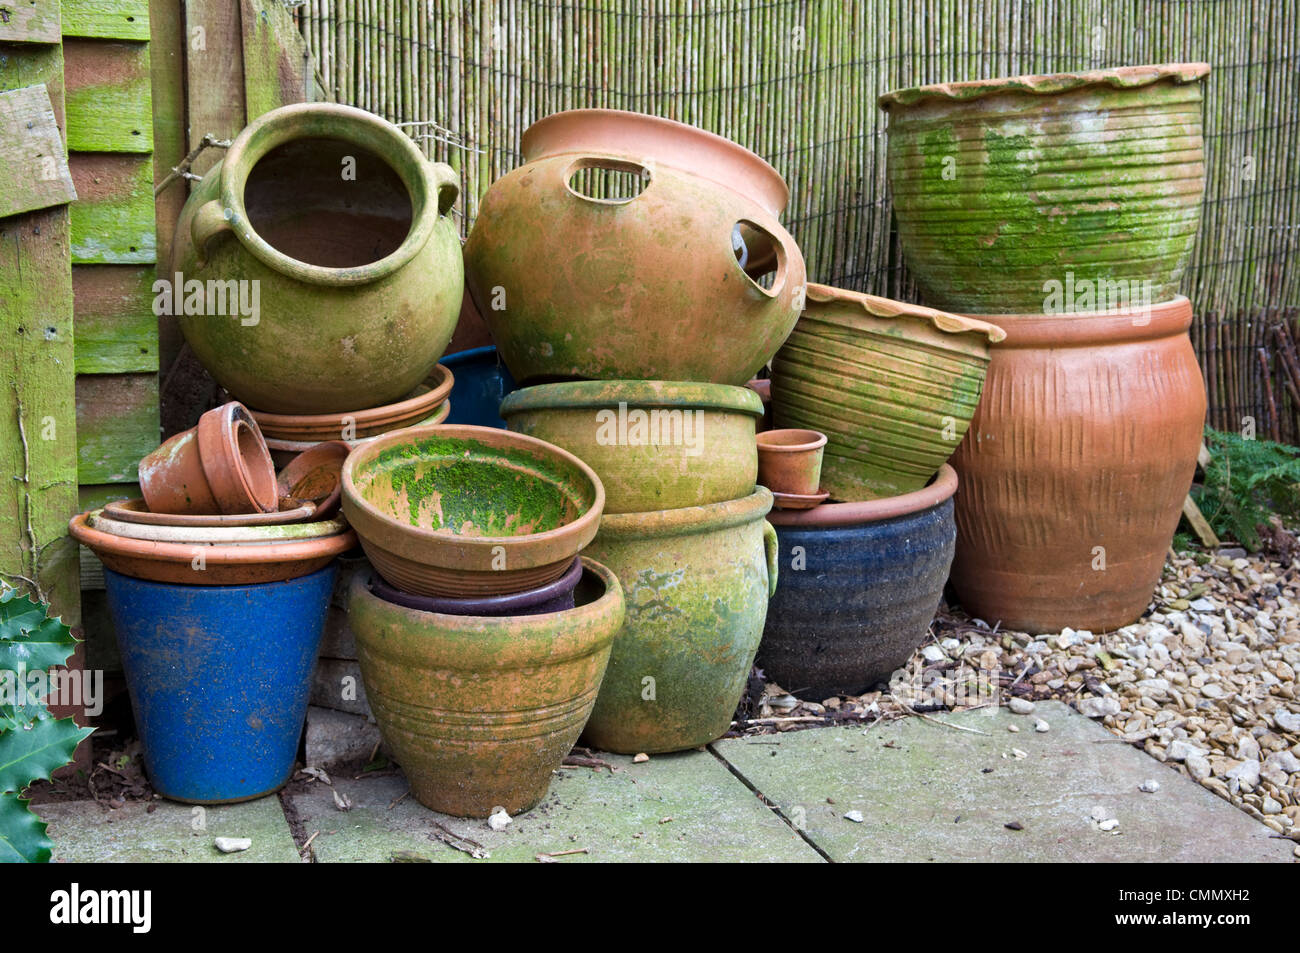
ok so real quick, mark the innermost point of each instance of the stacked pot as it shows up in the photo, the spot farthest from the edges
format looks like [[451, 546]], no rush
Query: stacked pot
[[893, 387], [1063, 208], [634, 276], [218, 583]]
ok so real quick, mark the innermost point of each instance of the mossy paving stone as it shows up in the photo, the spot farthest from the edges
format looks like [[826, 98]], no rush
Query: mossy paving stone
[[714, 818], [924, 794], [90, 832]]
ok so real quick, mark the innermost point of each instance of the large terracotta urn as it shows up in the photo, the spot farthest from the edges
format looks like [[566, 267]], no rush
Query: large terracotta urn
[[633, 247], [1075, 466], [316, 268]]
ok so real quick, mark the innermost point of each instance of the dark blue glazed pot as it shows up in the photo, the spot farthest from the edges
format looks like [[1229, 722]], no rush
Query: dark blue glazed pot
[[481, 383], [871, 578]]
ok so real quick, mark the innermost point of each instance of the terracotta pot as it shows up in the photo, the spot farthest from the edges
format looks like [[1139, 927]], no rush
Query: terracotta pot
[[199, 535], [221, 465], [646, 288], [697, 581], [314, 476], [790, 461], [480, 712], [892, 386], [656, 445], [222, 564], [763, 388], [359, 278], [1002, 186], [553, 597], [284, 452], [469, 511], [869, 577], [426, 400], [1075, 468], [137, 511]]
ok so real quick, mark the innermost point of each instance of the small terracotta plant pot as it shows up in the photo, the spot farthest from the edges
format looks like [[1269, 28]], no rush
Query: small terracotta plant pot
[[222, 465], [790, 461], [315, 476], [469, 511]]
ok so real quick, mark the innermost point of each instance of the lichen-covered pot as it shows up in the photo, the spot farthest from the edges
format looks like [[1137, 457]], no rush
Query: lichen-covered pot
[[480, 711], [891, 385], [335, 230], [656, 445], [860, 583], [651, 287], [697, 581], [1002, 187], [1075, 467]]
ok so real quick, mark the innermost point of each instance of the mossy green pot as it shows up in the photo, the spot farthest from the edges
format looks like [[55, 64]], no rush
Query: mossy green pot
[[697, 581], [656, 445]]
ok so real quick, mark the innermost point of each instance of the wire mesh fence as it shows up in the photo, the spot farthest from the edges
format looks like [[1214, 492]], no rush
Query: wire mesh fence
[[796, 81]]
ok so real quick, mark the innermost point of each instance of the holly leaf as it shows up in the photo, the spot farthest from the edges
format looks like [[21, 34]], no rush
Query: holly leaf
[[29, 636], [22, 833], [19, 713], [34, 752]]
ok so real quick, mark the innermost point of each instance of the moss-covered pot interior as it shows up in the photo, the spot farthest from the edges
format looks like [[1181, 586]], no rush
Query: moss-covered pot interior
[[465, 488]]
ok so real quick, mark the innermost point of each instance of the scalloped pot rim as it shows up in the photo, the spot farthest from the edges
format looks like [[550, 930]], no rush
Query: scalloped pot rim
[[878, 307], [1124, 77]]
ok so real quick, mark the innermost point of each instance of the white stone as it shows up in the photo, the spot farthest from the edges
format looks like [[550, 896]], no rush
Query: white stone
[[1180, 750], [499, 820], [1108, 825], [1021, 706], [932, 653], [1094, 707], [1198, 766], [854, 816], [1041, 726], [233, 845], [1149, 786], [1271, 806], [1287, 720], [1246, 773]]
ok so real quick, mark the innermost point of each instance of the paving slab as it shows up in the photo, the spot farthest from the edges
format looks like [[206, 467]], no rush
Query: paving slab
[[90, 832], [617, 816], [932, 793]]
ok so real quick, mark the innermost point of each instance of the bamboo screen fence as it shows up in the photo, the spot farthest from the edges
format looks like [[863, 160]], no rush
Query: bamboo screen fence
[[797, 80]]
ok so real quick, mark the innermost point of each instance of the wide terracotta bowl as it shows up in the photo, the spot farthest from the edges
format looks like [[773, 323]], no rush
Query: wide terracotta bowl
[[656, 445], [891, 385], [201, 564], [426, 400], [686, 275], [284, 452], [467, 511], [1008, 190]]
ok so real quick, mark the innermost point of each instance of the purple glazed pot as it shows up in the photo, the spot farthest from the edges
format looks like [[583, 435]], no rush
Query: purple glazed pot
[[553, 597]]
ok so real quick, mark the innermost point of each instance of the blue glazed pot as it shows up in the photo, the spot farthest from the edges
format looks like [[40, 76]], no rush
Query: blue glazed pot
[[871, 578], [219, 678], [482, 382]]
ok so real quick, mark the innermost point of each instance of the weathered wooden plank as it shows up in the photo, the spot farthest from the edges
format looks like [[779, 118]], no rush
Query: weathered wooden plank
[[107, 19], [117, 330], [108, 96], [214, 66], [29, 21], [33, 65], [92, 497], [31, 153], [117, 424], [112, 219], [275, 58], [167, 66]]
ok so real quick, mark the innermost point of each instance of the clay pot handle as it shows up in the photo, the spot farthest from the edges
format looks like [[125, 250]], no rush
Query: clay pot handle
[[208, 222], [785, 252], [448, 183], [773, 551]]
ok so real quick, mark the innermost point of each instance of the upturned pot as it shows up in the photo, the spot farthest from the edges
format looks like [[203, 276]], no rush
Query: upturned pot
[[1075, 468], [859, 587], [790, 461], [479, 712], [648, 285], [656, 445], [469, 511], [1005, 189], [697, 581], [891, 385], [219, 679], [341, 227], [220, 465]]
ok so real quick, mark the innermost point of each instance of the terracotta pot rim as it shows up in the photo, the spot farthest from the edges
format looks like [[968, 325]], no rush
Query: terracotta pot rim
[[206, 535], [773, 192], [324, 454], [238, 484], [136, 510], [1123, 77], [482, 605], [358, 127], [688, 519], [1083, 329], [538, 633], [818, 439], [527, 551], [302, 446], [418, 405], [887, 308], [220, 554], [828, 515], [574, 395]]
